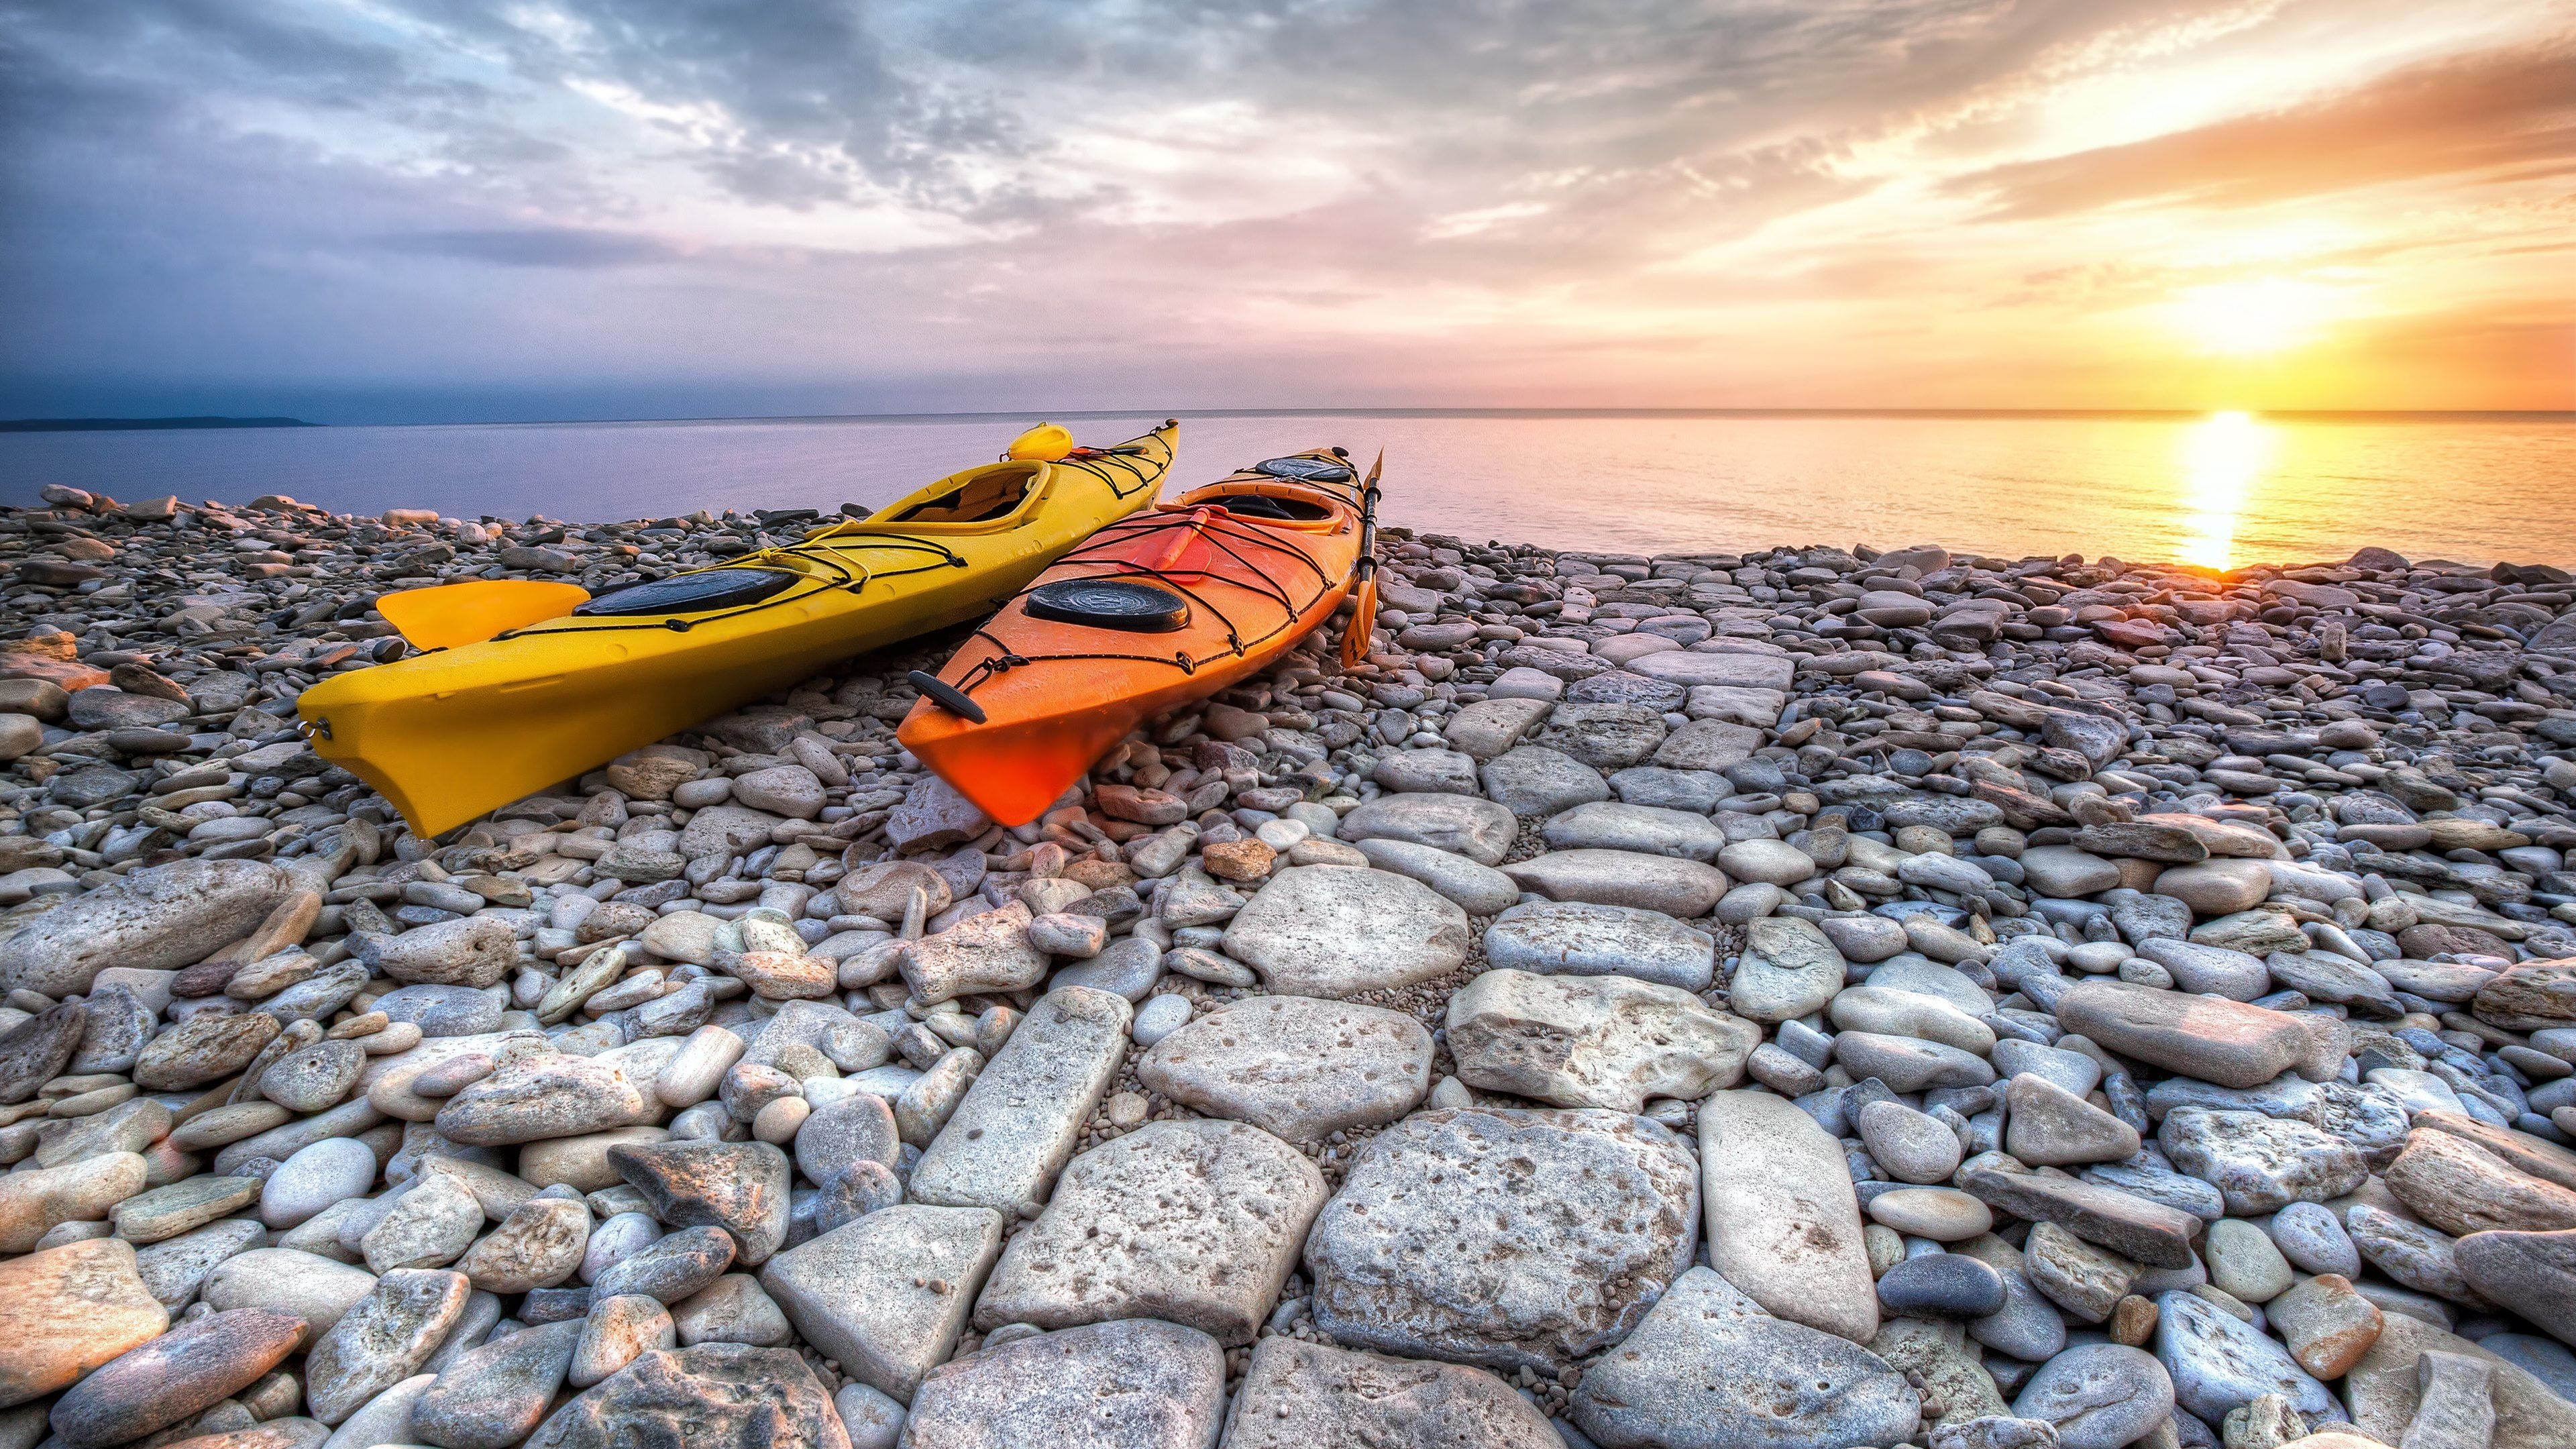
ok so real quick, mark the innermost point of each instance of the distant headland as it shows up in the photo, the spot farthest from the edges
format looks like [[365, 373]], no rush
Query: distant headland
[[124, 425]]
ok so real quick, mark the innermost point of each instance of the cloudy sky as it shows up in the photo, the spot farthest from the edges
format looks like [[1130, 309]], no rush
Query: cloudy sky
[[403, 210]]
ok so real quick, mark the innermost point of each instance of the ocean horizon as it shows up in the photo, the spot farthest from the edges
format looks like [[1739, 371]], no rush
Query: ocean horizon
[[2215, 489]]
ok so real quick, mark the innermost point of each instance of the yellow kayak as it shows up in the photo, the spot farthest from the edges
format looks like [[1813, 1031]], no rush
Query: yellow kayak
[[450, 734]]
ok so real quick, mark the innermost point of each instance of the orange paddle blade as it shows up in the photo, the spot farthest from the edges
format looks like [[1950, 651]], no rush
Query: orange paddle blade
[[447, 615], [1363, 625]]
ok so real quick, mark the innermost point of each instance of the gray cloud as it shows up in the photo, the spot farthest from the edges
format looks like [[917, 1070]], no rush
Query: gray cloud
[[1231, 200], [539, 247]]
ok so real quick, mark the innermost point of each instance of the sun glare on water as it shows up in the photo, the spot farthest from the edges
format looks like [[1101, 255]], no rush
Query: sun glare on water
[[2253, 318], [2223, 457]]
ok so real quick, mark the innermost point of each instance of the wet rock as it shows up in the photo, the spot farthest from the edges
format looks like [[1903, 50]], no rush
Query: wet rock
[[1560, 1228], [1294, 1066]]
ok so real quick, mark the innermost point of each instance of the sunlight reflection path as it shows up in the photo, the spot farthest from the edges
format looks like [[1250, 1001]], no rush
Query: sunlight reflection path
[[2223, 460]]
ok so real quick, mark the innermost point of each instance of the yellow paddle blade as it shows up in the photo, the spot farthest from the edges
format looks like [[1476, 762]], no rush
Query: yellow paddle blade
[[448, 615]]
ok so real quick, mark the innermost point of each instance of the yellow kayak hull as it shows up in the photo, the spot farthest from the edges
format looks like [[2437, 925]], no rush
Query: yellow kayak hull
[[448, 735]]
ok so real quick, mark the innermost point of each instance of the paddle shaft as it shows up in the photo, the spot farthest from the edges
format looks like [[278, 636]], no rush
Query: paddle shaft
[[1363, 625]]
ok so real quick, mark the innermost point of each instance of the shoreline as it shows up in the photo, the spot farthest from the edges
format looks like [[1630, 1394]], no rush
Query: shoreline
[[1645, 902]]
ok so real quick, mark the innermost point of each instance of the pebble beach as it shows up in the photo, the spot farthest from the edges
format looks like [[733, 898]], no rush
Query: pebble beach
[[1823, 996]]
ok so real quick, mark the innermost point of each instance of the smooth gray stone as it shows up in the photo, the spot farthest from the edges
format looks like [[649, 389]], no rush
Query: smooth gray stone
[[2219, 1363], [186, 1370], [2127, 1224], [886, 1296], [1481, 830], [1783, 1222], [1909, 1065], [175, 1269], [2100, 1396], [1940, 1285], [494, 1396], [839, 1136], [1534, 780], [1645, 829], [1581, 939], [2074, 1071], [2549, 1361], [2314, 1240], [2209, 970], [1128, 966], [1012, 1134], [2534, 1274], [1479, 890], [2160, 1184], [1708, 1369], [669, 1268], [1697, 791]]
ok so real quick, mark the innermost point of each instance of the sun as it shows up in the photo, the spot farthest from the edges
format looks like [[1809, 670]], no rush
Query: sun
[[2252, 318]]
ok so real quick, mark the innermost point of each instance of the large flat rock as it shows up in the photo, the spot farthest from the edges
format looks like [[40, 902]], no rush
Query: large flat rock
[[1008, 1139], [2227, 1042], [1593, 1041], [1300, 1395], [1783, 1220], [1137, 1383], [1480, 830], [887, 1295], [1504, 1238], [1299, 1067], [1195, 1222], [1335, 931], [1709, 1369], [1681, 888], [1577, 938], [156, 918], [1740, 671]]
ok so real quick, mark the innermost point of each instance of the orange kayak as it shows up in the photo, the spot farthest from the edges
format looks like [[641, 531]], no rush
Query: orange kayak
[[1156, 610]]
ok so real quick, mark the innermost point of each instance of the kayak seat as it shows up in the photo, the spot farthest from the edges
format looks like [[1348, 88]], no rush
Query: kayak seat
[[1259, 505], [984, 498], [695, 593]]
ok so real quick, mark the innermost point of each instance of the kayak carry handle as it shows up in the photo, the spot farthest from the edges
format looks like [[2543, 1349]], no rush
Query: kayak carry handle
[[947, 696]]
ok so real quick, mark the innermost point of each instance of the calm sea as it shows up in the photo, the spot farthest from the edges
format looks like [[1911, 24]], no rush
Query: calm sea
[[2218, 490]]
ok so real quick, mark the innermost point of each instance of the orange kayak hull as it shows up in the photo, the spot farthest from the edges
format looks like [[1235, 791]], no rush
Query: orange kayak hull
[[1057, 694]]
